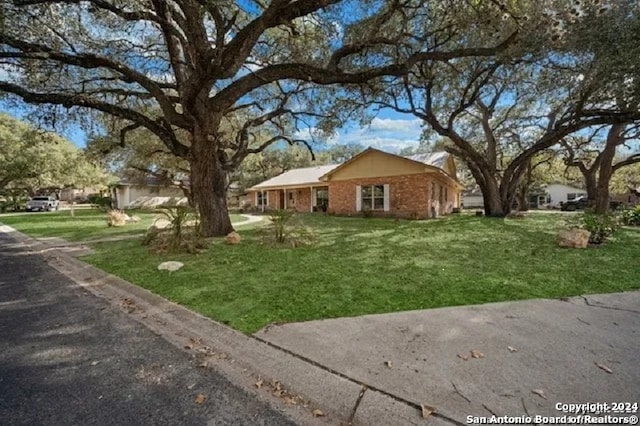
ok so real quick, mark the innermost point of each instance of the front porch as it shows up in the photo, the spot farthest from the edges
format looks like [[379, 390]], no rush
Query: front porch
[[301, 199]]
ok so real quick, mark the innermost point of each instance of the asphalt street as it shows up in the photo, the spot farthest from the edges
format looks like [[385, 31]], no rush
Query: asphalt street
[[69, 358]]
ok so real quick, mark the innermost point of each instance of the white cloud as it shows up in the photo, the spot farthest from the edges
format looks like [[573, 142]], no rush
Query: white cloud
[[395, 125], [386, 134]]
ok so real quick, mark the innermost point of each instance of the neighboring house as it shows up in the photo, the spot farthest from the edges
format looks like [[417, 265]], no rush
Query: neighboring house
[[472, 199], [77, 194], [150, 193], [375, 181], [560, 193]]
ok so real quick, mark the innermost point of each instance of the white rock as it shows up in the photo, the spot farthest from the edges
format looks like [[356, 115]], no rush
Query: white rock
[[170, 266]]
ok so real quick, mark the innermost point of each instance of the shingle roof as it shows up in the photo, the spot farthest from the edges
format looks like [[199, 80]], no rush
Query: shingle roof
[[304, 176], [436, 159]]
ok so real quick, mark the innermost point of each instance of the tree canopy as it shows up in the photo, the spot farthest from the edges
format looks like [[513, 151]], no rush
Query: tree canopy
[[33, 160], [500, 112], [224, 72]]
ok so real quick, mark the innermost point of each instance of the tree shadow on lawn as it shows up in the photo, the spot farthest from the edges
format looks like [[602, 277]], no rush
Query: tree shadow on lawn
[[49, 218], [81, 234]]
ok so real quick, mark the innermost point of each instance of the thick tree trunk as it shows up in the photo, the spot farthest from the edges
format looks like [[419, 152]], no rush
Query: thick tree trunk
[[602, 200], [209, 189], [591, 183], [523, 199], [614, 138], [493, 203]]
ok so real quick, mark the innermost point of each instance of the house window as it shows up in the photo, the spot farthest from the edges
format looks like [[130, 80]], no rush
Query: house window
[[261, 199], [373, 197], [291, 201], [446, 193], [433, 191]]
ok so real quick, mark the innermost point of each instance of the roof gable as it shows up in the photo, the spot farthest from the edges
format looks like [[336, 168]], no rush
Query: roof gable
[[375, 163]]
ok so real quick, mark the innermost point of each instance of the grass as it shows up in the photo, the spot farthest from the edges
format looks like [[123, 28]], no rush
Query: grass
[[363, 266], [85, 225]]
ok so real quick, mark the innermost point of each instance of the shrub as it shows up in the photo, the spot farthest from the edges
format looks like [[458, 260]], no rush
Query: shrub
[[182, 234], [116, 218], [601, 226], [179, 216], [367, 213], [279, 220], [632, 216], [12, 200], [285, 231], [103, 203]]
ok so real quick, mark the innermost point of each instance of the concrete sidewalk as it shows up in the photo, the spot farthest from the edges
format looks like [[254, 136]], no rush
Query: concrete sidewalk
[[531, 354]]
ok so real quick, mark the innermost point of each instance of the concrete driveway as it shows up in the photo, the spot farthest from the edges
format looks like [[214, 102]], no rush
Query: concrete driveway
[[531, 355]]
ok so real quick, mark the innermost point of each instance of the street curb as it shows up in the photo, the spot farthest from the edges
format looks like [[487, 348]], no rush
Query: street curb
[[245, 360]]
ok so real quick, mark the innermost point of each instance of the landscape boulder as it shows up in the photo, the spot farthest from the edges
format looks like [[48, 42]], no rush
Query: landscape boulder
[[232, 238], [133, 219], [574, 238], [170, 266]]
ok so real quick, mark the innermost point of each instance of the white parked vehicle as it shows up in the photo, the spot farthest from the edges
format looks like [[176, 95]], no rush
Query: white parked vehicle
[[42, 204]]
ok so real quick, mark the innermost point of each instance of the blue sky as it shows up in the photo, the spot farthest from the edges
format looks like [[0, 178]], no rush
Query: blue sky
[[388, 131]]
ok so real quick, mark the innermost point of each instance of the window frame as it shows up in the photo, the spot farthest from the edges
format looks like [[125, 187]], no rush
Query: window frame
[[261, 199], [372, 197]]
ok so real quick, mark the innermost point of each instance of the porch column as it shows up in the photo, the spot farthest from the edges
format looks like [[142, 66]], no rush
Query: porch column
[[263, 201], [127, 197], [311, 199], [285, 198]]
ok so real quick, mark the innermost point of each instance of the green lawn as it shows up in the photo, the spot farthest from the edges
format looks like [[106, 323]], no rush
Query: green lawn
[[85, 225], [362, 266]]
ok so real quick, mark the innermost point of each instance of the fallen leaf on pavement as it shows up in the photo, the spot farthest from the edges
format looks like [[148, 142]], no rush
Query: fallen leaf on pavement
[[259, 382], [476, 354], [512, 349], [426, 410], [191, 386], [387, 363], [200, 398], [95, 363], [463, 357], [604, 367], [317, 413], [540, 393], [291, 400], [203, 364]]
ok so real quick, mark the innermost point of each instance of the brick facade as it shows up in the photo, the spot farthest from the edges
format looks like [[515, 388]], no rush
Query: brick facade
[[409, 195]]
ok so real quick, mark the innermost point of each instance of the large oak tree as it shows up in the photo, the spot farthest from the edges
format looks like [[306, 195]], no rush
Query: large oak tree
[[575, 70], [205, 67]]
